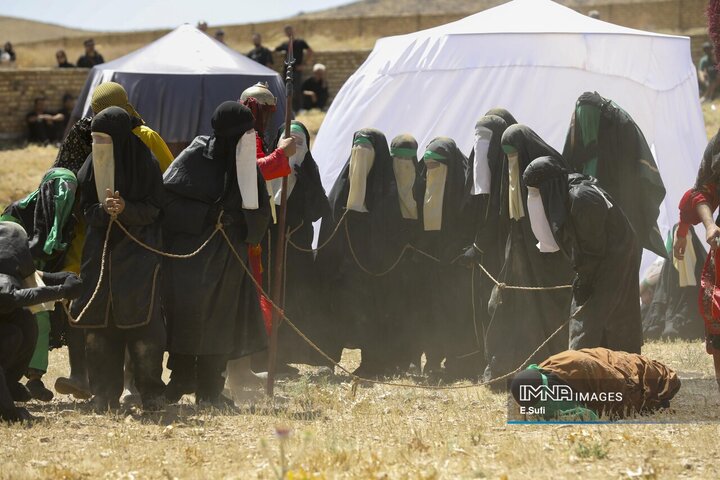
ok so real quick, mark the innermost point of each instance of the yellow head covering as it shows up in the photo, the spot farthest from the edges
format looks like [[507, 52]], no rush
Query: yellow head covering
[[111, 94]]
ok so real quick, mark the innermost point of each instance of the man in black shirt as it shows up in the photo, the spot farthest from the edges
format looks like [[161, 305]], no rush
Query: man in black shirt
[[62, 60], [300, 46], [315, 89], [43, 127], [91, 57], [260, 54]]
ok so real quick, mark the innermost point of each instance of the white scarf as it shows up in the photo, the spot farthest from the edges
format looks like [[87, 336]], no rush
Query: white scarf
[[301, 150], [539, 222], [362, 158], [481, 165], [434, 195], [516, 209], [103, 161], [246, 164], [404, 169]]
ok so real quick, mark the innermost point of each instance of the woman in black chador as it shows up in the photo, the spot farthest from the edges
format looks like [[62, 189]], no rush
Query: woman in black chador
[[210, 303], [521, 320], [575, 215], [125, 312]]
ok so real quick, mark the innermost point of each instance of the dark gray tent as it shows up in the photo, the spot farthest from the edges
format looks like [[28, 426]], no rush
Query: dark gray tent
[[176, 82]]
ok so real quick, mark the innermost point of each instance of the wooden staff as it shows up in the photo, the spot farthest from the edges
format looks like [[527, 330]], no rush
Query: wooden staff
[[277, 286]]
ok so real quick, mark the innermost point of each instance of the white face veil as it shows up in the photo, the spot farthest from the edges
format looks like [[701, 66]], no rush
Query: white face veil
[[405, 175], [301, 149], [515, 204], [362, 158], [481, 165], [246, 164], [539, 222], [103, 160], [434, 195]]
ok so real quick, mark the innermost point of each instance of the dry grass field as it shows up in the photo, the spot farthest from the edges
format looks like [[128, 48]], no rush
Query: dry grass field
[[378, 432]]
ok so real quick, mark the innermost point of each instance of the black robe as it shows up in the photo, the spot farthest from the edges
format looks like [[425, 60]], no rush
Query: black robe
[[595, 234], [521, 320], [456, 336], [129, 291], [210, 303], [362, 307], [306, 204], [625, 168], [673, 312]]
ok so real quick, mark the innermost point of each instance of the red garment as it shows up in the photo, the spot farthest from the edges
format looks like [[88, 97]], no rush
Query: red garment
[[274, 165], [255, 260], [688, 206]]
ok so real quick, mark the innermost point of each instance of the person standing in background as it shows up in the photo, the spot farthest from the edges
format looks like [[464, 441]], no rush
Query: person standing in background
[[260, 54], [300, 47], [92, 57]]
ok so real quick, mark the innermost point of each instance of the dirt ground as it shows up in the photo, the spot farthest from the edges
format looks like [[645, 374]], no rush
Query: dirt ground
[[378, 432]]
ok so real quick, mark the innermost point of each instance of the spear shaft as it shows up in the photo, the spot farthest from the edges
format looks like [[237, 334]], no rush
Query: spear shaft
[[277, 286]]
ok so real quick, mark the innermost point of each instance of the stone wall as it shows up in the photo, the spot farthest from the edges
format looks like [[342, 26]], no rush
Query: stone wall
[[19, 88]]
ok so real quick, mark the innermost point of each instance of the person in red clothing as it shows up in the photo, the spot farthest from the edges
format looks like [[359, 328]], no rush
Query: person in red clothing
[[697, 206], [272, 164]]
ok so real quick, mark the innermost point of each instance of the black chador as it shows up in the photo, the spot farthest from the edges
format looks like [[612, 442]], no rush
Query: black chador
[[210, 303], [125, 312], [447, 231], [361, 302], [306, 203], [521, 320], [573, 214], [606, 143]]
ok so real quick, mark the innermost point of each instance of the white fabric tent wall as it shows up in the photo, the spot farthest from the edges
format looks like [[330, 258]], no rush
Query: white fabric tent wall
[[535, 58]]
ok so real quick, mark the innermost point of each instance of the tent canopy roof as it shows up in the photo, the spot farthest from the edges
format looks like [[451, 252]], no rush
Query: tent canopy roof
[[537, 33], [186, 50], [531, 16]]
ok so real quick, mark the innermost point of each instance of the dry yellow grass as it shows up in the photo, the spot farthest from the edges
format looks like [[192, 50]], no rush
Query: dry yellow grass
[[381, 432], [21, 170]]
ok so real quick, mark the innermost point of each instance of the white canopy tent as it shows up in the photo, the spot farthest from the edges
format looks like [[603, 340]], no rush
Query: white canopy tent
[[535, 58], [177, 81]]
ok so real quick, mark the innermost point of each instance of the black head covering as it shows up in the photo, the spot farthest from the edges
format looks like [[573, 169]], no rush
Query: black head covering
[[529, 145], [549, 176], [456, 188], [15, 258], [135, 168], [504, 114], [281, 132], [406, 142], [230, 121], [380, 180], [496, 155]]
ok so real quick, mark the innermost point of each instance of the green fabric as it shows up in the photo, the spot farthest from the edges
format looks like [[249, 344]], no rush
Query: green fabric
[[508, 149], [295, 128], [587, 119], [64, 201], [430, 155], [9, 218], [362, 141], [403, 152], [577, 414], [39, 359], [561, 410]]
